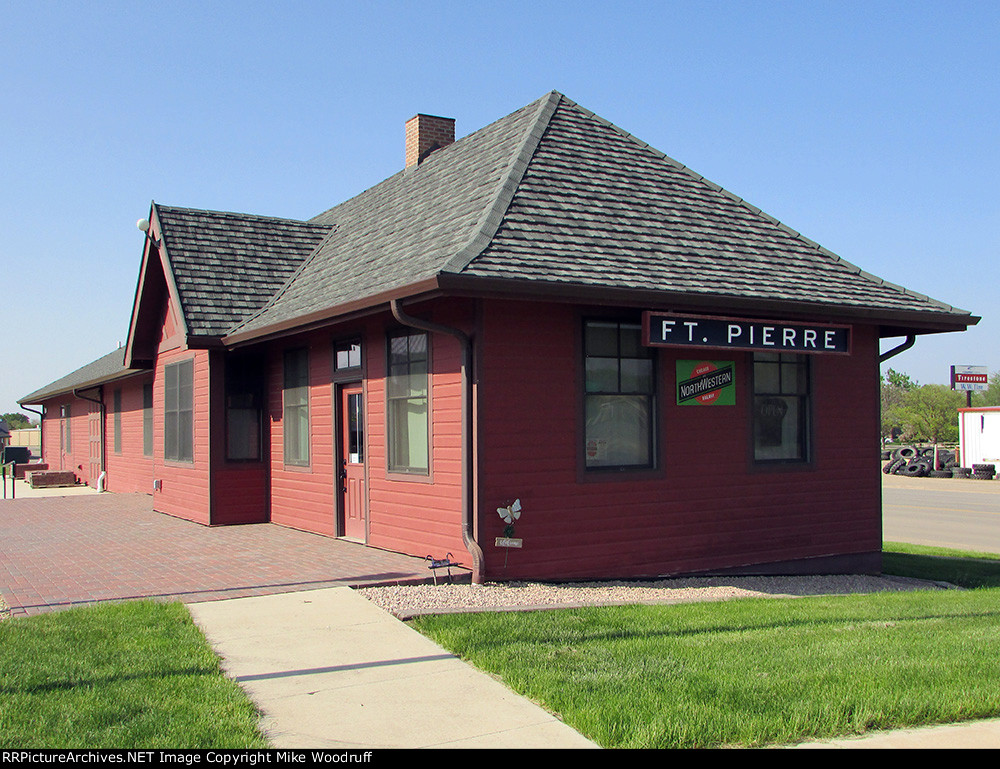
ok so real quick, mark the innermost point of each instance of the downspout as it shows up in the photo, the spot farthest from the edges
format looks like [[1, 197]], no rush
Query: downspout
[[905, 345], [104, 445], [468, 523]]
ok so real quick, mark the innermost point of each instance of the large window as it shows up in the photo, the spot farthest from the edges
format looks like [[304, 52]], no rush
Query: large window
[[116, 401], [780, 407], [178, 411], [243, 408], [147, 420], [407, 403], [619, 397], [296, 407]]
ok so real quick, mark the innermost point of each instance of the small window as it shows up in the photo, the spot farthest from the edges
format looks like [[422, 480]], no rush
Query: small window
[[619, 397], [296, 407], [347, 355], [116, 400], [780, 407], [147, 420], [244, 388], [406, 394], [178, 411]]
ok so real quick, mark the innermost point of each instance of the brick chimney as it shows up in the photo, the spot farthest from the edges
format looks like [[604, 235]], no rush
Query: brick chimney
[[426, 133]]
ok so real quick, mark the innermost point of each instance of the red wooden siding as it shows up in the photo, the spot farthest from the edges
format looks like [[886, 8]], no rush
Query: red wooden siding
[[303, 497], [128, 470], [705, 506], [420, 515], [239, 488], [417, 515], [184, 488], [76, 457]]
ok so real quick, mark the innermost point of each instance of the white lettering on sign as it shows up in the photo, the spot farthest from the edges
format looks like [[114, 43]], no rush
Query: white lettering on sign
[[746, 334]]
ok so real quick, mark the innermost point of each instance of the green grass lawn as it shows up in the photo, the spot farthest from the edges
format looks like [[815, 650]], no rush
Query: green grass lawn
[[965, 569], [746, 672], [128, 675]]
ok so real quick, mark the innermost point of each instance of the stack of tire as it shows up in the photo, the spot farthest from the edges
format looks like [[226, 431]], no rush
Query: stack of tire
[[919, 463], [984, 472]]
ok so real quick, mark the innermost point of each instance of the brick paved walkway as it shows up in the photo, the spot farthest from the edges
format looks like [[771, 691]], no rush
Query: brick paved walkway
[[62, 551]]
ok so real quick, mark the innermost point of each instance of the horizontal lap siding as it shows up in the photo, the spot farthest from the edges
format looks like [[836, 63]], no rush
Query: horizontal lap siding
[[185, 485], [423, 515], [128, 470], [705, 507], [240, 494], [77, 457], [239, 487], [303, 497]]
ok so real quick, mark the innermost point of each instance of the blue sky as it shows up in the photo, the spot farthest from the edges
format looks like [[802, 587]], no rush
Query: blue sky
[[871, 128]]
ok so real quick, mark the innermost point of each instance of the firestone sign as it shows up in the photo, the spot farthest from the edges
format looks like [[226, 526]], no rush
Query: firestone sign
[[970, 378], [668, 330]]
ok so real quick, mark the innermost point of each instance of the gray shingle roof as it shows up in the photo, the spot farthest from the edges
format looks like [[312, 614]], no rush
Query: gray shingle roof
[[406, 228], [598, 207], [556, 195], [228, 265], [106, 368]]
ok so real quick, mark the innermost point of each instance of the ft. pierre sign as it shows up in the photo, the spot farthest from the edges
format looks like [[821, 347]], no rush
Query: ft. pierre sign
[[668, 330]]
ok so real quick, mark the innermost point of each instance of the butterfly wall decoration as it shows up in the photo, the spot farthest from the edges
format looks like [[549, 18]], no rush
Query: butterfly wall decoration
[[510, 514]]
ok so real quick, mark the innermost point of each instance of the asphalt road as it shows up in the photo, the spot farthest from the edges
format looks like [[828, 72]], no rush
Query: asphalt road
[[958, 513]]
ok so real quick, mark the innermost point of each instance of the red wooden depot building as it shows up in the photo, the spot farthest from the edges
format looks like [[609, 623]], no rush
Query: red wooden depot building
[[547, 310]]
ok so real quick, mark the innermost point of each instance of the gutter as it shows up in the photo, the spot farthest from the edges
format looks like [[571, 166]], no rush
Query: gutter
[[468, 523], [905, 345]]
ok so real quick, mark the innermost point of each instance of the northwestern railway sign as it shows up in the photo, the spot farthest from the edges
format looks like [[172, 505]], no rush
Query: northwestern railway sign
[[669, 330]]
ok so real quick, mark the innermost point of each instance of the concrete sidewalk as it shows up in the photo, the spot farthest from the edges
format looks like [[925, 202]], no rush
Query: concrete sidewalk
[[329, 669], [332, 670]]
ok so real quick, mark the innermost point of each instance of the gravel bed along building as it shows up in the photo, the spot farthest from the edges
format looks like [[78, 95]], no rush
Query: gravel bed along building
[[412, 600]]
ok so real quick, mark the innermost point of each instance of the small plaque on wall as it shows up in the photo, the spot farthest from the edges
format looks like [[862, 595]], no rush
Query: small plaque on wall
[[508, 542], [706, 383]]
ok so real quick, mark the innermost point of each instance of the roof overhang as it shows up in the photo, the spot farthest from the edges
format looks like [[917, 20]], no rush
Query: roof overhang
[[40, 396], [425, 289], [890, 322]]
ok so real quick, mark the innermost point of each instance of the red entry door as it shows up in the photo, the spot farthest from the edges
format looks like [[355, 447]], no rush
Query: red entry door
[[352, 455]]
